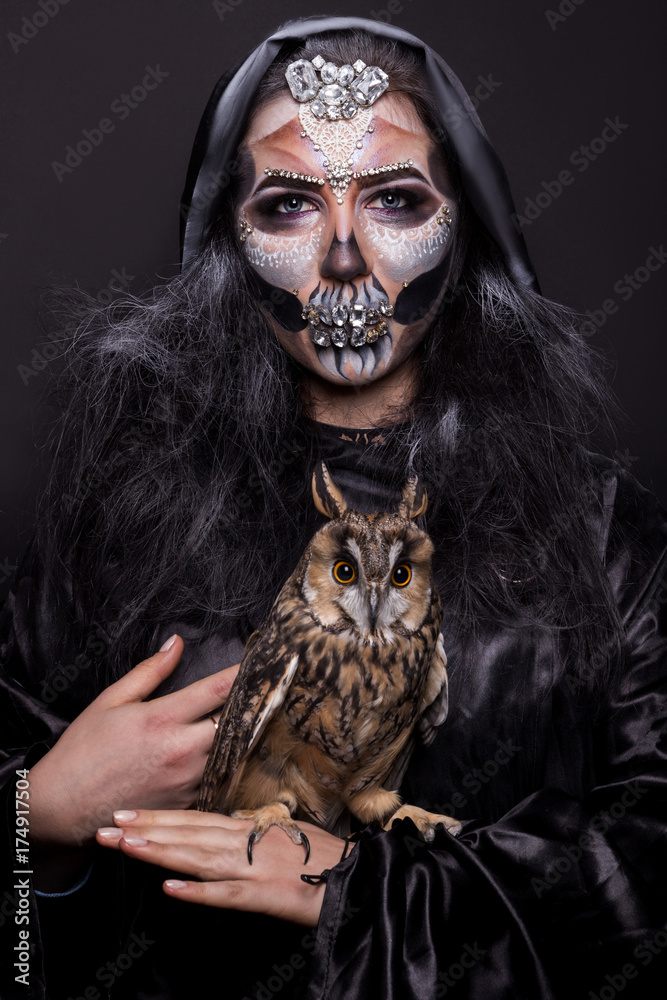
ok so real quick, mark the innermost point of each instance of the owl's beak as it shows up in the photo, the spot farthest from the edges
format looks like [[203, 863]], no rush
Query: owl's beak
[[373, 603]]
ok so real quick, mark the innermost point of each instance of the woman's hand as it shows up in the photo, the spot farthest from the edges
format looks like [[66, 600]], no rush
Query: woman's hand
[[125, 751], [213, 849]]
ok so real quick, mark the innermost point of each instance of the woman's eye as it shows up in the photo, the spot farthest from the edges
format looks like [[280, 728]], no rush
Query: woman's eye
[[389, 200], [392, 199], [293, 205]]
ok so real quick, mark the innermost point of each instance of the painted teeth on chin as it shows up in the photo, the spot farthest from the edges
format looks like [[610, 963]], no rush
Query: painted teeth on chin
[[367, 356], [363, 360], [383, 348], [347, 355], [327, 358]]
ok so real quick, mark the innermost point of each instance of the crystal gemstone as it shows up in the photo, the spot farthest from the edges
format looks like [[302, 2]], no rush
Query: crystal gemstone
[[358, 335], [302, 80], [339, 315], [333, 94], [370, 85], [320, 337], [329, 73], [324, 314]]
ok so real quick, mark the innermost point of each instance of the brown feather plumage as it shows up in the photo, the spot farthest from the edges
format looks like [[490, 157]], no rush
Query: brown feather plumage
[[339, 680]]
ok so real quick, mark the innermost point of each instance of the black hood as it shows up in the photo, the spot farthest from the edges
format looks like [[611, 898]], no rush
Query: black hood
[[224, 122]]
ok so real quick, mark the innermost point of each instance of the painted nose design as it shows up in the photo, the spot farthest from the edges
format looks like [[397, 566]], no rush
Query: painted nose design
[[344, 260]]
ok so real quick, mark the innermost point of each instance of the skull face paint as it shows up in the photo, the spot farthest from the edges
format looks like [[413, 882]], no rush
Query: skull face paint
[[408, 252], [397, 221], [285, 259]]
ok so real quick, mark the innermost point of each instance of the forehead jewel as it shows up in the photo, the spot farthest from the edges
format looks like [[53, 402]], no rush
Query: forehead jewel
[[335, 110], [335, 91]]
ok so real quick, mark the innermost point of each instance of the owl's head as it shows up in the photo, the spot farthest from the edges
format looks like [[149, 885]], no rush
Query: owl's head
[[370, 573]]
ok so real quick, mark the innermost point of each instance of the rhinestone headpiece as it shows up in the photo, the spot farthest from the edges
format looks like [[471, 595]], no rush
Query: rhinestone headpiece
[[340, 91], [335, 110]]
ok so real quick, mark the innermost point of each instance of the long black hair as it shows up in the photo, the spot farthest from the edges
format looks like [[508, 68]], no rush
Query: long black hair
[[180, 482]]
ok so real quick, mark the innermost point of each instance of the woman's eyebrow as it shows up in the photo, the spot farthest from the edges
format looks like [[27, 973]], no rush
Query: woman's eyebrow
[[375, 175], [289, 181], [363, 178]]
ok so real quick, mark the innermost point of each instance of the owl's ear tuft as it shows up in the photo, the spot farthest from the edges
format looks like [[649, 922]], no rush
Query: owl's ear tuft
[[415, 500], [328, 498]]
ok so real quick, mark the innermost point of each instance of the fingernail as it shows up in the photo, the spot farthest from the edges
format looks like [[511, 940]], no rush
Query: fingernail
[[135, 841], [112, 832], [124, 816], [167, 644], [175, 883]]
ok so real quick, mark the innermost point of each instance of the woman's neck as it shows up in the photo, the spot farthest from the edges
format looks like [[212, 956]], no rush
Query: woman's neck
[[375, 404]]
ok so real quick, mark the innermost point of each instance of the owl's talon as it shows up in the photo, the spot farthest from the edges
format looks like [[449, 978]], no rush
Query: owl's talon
[[254, 837], [274, 814], [426, 822], [251, 840]]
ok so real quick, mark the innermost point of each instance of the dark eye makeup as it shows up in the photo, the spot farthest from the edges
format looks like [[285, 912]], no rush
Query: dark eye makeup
[[403, 205], [396, 202], [287, 205], [293, 204]]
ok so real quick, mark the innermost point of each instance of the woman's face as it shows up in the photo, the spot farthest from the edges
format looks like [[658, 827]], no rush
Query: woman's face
[[351, 283]]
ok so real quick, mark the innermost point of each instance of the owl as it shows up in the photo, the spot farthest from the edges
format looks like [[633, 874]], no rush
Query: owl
[[347, 670]]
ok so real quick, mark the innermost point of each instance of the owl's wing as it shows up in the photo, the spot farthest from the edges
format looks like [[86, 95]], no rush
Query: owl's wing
[[435, 700], [433, 712], [264, 676]]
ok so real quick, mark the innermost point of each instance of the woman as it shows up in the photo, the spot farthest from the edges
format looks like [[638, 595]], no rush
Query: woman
[[179, 503]]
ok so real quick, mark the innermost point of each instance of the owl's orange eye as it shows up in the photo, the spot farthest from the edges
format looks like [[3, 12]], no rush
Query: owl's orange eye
[[402, 575], [344, 572]]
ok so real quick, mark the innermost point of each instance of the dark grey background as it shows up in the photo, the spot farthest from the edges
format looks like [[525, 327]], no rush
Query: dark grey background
[[554, 84]]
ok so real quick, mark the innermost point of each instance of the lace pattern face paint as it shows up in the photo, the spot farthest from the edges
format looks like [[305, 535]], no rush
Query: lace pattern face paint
[[337, 140], [406, 253], [285, 261]]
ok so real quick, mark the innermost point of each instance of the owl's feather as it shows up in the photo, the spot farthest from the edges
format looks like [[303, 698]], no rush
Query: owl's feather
[[256, 695], [436, 696], [348, 669]]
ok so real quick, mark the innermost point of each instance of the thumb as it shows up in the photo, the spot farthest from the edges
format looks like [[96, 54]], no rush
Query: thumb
[[143, 679]]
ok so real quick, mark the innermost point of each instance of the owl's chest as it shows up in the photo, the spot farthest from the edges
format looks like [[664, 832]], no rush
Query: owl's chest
[[352, 700]]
